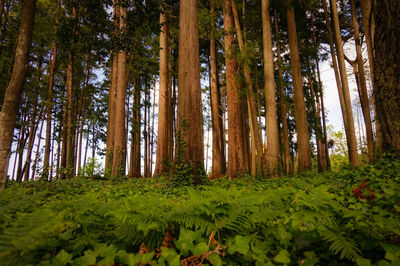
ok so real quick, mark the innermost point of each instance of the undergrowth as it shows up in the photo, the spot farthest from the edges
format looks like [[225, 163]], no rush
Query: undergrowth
[[345, 218]]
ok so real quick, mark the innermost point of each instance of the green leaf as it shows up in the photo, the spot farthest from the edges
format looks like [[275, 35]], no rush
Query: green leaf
[[128, 258], [200, 248], [363, 262], [144, 258], [215, 259], [392, 252], [283, 257], [62, 258], [88, 259], [170, 256], [240, 245], [184, 246]]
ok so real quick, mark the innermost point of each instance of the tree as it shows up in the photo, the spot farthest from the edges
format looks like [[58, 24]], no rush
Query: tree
[[237, 150], [189, 120], [363, 92], [272, 153], [163, 154], [387, 69], [348, 113], [14, 89], [303, 145], [218, 136]]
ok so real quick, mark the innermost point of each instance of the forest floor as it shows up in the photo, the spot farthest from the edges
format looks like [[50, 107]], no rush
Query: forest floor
[[338, 218]]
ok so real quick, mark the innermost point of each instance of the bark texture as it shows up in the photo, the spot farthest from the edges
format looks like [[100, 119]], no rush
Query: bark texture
[[303, 145], [387, 69], [350, 132], [164, 103], [363, 92], [271, 120], [189, 120], [237, 148], [14, 89], [118, 164], [218, 149]]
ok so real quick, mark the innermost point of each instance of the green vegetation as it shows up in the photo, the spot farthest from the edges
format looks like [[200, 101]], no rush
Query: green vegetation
[[348, 217]]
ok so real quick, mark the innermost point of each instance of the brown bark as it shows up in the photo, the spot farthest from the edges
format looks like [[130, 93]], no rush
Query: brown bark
[[322, 163], [189, 122], [112, 98], [36, 118], [70, 120], [218, 151], [164, 103], [134, 167], [363, 93], [118, 164], [237, 162], [15, 86], [282, 102], [369, 26], [350, 132], [35, 162], [271, 120], [387, 69], [256, 139], [48, 113], [303, 144]]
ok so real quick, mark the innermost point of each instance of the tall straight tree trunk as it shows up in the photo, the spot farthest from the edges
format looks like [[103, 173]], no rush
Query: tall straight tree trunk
[[387, 69], [365, 107], [48, 114], [189, 122], [112, 97], [134, 167], [164, 103], [15, 86], [118, 166], [303, 144], [21, 148], [31, 141], [282, 102], [218, 151], [256, 139], [36, 161], [369, 26], [70, 120], [322, 163], [237, 162], [350, 133], [321, 96], [271, 120]]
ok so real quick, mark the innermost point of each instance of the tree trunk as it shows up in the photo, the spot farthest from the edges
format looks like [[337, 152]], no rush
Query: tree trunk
[[218, 151], [15, 86], [31, 141], [112, 98], [237, 163], [369, 25], [118, 164], [36, 161], [48, 114], [134, 168], [350, 133], [164, 103], [271, 120], [322, 165], [363, 86], [303, 144], [189, 124], [387, 69], [256, 139], [282, 102]]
